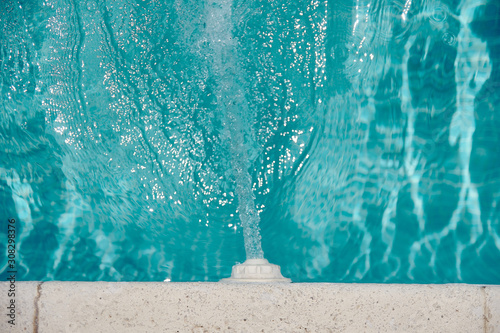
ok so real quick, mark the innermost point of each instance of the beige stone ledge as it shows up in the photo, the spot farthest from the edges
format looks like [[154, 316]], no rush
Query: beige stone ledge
[[25, 298], [492, 309], [218, 307]]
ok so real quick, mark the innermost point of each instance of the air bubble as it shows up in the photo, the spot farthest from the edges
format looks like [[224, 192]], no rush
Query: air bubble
[[449, 38], [440, 14]]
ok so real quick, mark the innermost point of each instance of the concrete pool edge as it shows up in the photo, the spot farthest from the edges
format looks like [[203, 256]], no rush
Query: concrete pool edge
[[211, 307]]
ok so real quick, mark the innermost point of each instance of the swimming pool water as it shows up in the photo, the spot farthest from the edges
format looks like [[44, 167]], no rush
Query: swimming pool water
[[365, 136]]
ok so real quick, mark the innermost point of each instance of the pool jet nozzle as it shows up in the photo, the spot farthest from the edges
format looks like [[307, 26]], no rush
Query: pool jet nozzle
[[256, 270]]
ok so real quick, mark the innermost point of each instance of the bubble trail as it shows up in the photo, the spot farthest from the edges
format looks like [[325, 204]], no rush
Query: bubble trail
[[232, 106]]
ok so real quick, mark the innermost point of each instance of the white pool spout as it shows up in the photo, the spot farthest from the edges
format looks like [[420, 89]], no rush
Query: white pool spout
[[256, 270]]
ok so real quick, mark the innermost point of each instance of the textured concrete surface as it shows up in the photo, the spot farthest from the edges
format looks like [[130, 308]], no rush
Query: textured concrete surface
[[24, 299], [219, 307], [492, 309]]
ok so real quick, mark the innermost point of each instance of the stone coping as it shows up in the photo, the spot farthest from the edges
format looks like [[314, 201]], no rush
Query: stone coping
[[224, 307]]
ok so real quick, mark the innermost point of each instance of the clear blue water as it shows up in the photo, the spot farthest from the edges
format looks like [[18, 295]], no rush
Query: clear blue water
[[358, 141]]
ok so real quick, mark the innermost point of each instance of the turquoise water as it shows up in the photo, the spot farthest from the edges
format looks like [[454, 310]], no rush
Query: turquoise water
[[358, 141]]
